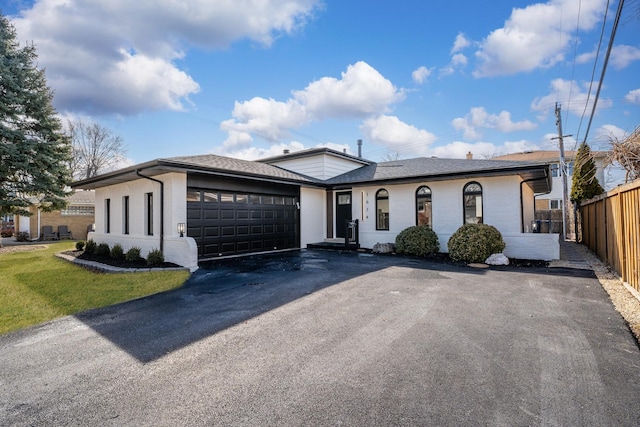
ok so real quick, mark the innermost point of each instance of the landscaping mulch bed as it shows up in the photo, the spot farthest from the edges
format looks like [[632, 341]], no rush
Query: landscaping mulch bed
[[122, 263]]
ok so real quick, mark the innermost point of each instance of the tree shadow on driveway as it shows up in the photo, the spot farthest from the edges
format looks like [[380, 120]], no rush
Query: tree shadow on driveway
[[227, 292]]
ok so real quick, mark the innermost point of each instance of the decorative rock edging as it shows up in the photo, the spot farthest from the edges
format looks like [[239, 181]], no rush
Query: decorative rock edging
[[111, 269]]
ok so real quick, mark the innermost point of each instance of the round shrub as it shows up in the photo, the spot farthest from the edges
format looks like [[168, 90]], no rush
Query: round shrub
[[155, 257], [475, 243], [117, 252], [90, 247], [133, 255], [80, 245], [103, 249], [418, 240]]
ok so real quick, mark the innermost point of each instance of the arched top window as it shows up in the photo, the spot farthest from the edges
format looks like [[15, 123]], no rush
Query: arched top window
[[472, 200], [382, 209], [423, 206]]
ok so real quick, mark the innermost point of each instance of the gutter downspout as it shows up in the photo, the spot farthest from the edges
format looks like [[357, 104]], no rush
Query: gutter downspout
[[534, 203], [161, 206]]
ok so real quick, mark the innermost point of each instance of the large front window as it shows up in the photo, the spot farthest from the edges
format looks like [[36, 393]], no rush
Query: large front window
[[382, 210], [472, 203], [423, 206]]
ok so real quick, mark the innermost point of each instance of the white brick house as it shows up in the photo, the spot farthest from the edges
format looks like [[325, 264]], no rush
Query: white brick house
[[229, 207]]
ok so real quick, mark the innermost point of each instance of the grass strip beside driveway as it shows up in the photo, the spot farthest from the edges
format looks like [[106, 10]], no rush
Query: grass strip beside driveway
[[36, 286]]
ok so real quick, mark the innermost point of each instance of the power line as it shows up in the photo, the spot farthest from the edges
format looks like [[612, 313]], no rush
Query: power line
[[604, 66], [593, 71]]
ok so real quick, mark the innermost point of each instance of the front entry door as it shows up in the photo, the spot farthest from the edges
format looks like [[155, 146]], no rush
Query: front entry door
[[343, 212]]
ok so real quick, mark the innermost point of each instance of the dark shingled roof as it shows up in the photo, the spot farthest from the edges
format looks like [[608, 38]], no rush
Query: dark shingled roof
[[396, 171], [425, 167], [212, 162], [206, 164]]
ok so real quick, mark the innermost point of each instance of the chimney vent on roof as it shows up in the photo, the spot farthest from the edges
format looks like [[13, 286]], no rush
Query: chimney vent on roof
[[469, 155], [344, 150], [359, 148], [285, 151]]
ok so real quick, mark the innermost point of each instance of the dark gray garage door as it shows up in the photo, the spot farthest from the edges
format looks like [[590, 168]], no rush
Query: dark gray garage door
[[230, 223]]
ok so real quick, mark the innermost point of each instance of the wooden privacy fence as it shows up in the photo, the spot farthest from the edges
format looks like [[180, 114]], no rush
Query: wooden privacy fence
[[610, 226]]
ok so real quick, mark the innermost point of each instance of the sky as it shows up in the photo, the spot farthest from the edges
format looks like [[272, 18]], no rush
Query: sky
[[251, 78]]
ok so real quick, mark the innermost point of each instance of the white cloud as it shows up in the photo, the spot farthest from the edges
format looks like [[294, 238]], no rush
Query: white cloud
[[460, 43], [481, 150], [361, 92], [254, 153], [623, 55], [572, 97], [633, 96], [458, 60], [421, 74], [107, 57], [535, 36], [397, 136], [478, 118], [604, 134]]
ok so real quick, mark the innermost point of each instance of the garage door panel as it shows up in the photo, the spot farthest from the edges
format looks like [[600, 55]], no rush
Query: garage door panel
[[193, 214], [231, 223], [228, 230], [210, 213], [212, 231]]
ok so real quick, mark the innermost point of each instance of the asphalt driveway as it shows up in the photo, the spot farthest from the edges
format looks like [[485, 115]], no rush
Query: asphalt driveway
[[322, 338]]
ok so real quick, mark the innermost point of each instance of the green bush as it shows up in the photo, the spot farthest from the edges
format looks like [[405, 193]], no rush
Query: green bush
[[475, 243], [80, 245], [22, 236], [103, 249], [155, 257], [117, 252], [133, 254], [90, 247], [418, 240]]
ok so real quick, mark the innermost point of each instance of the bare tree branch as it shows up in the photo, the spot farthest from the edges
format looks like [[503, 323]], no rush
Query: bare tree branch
[[627, 154], [95, 149]]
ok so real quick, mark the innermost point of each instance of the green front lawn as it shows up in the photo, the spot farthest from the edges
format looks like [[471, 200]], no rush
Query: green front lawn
[[36, 286]]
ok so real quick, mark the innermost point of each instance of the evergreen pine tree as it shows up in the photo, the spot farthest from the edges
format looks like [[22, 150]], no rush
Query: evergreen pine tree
[[584, 184], [34, 152]]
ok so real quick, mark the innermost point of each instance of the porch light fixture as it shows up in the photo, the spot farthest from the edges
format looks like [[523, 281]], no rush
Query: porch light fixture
[[181, 229]]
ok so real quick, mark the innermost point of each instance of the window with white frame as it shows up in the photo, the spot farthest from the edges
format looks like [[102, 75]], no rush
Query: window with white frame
[[423, 206], [472, 199], [382, 209]]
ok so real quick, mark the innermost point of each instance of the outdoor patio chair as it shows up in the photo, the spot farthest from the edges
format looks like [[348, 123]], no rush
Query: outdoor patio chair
[[64, 232], [47, 233]]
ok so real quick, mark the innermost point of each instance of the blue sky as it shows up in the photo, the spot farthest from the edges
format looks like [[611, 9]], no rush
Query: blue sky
[[250, 78]]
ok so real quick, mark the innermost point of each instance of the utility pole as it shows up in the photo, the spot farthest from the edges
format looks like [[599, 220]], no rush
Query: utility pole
[[563, 172]]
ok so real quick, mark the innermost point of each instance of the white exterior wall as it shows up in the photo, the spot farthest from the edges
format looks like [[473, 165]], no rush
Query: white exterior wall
[[182, 251], [313, 220], [528, 203], [321, 166], [501, 209]]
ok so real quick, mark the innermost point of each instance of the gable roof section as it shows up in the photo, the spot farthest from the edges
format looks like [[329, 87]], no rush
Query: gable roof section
[[423, 168], [206, 164], [314, 152]]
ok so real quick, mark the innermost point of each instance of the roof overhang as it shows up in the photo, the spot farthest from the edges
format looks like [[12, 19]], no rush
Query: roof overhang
[[163, 166], [537, 178]]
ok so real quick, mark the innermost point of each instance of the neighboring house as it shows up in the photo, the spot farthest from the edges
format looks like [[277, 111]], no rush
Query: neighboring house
[[78, 216], [553, 200], [226, 207]]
